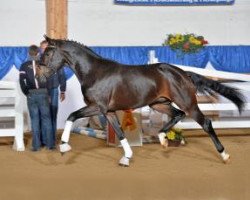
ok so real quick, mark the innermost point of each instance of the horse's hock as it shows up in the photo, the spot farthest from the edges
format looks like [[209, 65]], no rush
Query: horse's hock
[[206, 99]]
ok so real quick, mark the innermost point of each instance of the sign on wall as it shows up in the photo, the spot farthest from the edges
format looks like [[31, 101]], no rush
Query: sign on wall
[[175, 2]]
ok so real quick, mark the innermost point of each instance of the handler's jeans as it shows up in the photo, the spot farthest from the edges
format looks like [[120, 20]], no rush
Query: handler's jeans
[[53, 93], [38, 105]]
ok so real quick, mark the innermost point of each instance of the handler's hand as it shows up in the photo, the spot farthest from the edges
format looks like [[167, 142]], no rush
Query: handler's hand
[[62, 96], [38, 71]]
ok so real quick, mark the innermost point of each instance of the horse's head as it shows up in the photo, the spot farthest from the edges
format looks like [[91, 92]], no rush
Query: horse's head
[[52, 59]]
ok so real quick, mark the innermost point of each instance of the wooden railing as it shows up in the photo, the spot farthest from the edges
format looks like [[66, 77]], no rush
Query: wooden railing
[[11, 107]]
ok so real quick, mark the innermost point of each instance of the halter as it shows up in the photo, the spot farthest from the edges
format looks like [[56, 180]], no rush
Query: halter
[[52, 67]]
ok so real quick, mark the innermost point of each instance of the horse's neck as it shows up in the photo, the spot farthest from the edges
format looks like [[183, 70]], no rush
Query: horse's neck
[[83, 67]]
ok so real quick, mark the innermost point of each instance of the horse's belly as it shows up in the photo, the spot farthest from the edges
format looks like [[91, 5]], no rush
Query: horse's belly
[[123, 100]]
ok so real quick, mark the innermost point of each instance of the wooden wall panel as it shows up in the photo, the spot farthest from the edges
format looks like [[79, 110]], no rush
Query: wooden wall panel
[[57, 18]]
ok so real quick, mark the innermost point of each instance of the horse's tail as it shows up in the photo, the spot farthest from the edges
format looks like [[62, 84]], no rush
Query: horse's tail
[[210, 86]]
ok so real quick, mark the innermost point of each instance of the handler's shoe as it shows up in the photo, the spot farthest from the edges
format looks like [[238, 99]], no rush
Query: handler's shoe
[[34, 149], [64, 147]]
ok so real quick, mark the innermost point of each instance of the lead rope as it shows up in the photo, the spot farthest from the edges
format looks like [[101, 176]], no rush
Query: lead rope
[[34, 70]]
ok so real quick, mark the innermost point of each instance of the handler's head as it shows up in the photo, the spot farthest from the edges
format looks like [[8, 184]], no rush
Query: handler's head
[[34, 52]]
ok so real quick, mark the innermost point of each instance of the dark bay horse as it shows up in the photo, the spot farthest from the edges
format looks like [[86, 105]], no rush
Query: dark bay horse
[[108, 86]]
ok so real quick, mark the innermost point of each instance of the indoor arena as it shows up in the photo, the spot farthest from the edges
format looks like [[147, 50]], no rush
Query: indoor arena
[[124, 99]]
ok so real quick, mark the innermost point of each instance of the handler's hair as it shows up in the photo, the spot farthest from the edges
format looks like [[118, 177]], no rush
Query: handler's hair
[[33, 51]]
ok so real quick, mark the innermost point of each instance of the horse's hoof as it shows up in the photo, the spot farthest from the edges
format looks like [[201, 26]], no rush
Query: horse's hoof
[[124, 162], [122, 165], [227, 161], [163, 140], [65, 147], [183, 142], [225, 157]]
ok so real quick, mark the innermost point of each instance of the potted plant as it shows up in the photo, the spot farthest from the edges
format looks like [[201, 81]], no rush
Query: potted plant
[[185, 43], [175, 137]]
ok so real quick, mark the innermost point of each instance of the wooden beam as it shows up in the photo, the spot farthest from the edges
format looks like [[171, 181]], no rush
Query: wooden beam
[[57, 18]]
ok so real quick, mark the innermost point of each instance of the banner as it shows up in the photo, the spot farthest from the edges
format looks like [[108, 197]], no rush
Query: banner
[[175, 2]]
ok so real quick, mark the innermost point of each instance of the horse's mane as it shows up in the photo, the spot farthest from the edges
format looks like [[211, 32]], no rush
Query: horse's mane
[[84, 47]]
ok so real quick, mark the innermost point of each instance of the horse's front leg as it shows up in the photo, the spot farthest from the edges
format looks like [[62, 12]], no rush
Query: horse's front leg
[[124, 161], [87, 111]]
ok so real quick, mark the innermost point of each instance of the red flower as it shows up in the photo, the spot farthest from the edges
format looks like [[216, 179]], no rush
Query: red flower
[[204, 42], [186, 46]]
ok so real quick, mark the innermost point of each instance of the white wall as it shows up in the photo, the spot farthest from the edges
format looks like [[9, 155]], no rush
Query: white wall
[[22, 22], [100, 22]]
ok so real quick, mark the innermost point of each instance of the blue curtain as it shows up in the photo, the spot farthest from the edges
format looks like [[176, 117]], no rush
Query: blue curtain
[[6, 61], [230, 58], [124, 55], [10, 56], [167, 55], [139, 55], [20, 55], [224, 58]]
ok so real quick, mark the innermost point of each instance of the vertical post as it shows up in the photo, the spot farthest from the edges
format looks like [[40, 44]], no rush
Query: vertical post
[[151, 57], [57, 18]]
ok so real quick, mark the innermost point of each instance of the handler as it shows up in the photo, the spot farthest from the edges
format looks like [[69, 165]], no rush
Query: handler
[[38, 102]]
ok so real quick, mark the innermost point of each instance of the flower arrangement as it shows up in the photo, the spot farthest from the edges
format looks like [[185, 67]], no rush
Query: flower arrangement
[[175, 137], [186, 43]]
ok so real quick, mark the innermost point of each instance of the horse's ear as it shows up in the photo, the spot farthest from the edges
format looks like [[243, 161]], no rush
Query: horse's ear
[[50, 41]]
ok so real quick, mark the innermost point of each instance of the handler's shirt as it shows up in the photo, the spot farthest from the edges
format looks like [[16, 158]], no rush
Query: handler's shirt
[[27, 78]]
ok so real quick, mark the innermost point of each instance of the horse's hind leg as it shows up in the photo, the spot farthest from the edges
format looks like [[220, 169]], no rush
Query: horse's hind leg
[[175, 114], [87, 111], [124, 161], [206, 124]]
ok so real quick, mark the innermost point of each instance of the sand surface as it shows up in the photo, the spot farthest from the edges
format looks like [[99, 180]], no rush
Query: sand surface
[[91, 171]]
